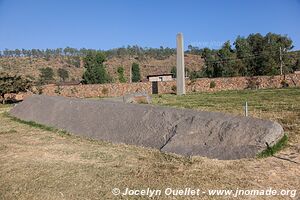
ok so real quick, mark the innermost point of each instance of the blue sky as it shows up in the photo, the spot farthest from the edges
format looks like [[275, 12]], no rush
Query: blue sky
[[105, 24]]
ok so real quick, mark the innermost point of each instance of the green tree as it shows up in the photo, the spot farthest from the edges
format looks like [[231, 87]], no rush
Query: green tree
[[265, 52], [46, 75], [253, 56], [13, 84], [296, 67], [243, 54], [136, 76], [211, 68], [63, 74], [121, 75], [193, 75], [174, 72], [226, 65], [95, 71]]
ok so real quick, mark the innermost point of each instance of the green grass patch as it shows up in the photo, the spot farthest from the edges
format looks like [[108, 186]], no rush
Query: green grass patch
[[5, 105], [270, 100], [270, 151], [37, 125]]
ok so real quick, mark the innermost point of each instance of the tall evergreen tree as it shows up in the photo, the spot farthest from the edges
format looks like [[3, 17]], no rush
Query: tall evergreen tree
[[136, 76], [174, 72], [95, 71], [121, 75]]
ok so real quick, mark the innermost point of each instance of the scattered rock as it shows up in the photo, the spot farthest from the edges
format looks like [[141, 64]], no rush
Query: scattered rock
[[138, 97], [16, 97], [141, 97]]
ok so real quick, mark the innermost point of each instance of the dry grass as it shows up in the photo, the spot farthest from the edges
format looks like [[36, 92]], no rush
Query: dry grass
[[29, 67], [40, 164], [281, 105]]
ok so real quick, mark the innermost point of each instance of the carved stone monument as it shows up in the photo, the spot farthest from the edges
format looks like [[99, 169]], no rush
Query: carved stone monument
[[180, 79]]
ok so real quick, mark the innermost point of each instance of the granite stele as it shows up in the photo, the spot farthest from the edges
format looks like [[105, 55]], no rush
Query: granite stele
[[182, 131]]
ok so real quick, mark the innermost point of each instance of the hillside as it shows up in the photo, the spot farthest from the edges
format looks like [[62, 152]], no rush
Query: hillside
[[151, 65], [29, 67]]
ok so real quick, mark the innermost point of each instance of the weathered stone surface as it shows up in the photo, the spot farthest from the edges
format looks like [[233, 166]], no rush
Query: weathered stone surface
[[217, 135], [182, 131]]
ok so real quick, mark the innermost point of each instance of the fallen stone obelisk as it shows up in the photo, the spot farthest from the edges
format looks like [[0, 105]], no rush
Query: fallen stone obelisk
[[181, 131]]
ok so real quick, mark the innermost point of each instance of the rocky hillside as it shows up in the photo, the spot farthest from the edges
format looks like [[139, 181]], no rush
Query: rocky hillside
[[29, 67], [150, 66]]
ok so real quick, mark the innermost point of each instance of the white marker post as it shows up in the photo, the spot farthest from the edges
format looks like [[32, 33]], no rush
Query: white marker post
[[246, 109]]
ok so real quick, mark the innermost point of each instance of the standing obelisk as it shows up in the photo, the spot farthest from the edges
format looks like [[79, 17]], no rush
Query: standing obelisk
[[180, 72]]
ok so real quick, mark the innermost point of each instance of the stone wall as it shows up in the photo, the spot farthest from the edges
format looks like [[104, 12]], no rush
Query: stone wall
[[203, 84]]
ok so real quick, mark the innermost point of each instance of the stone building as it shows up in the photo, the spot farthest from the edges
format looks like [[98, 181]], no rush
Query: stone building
[[160, 77]]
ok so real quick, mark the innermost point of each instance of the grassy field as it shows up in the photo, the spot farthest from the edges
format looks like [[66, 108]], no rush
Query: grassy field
[[44, 164], [281, 105]]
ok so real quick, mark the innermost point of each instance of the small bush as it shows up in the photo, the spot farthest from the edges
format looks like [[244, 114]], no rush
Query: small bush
[[74, 90], [58, 90], [173, 72], [40, 89], [63, 74], [284, 84], [173, 88], [46, 75], [212, 84], [253, 83], [105, 91]]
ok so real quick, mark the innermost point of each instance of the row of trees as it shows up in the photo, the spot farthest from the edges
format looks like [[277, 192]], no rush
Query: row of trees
[[140, 52], [45, 53], [136, 51], [249, 56]]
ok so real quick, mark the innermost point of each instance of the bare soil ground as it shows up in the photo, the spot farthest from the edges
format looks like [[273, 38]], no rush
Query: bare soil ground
[[39, 164]]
